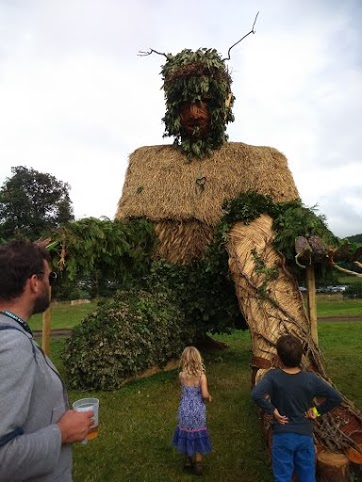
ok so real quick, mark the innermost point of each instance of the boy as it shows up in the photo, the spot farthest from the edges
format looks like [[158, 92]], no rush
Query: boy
[[290, 397]]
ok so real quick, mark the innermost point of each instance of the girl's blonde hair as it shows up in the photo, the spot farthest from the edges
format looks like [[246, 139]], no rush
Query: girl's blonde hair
[[191, 362]]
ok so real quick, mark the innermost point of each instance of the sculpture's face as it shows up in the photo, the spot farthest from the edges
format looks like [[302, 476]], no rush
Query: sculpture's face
[[195, 119], [196, 86]]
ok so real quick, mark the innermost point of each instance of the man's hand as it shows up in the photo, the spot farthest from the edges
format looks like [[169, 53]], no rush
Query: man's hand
[[282, 419], [74, 426]]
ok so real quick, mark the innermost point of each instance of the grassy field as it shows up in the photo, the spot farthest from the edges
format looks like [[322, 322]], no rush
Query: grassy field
[[63, 315], [336, 306], [66, 316], [137, 421]]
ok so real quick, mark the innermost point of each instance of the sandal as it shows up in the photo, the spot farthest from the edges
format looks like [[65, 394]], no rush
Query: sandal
[[198, 468], [188, 463]]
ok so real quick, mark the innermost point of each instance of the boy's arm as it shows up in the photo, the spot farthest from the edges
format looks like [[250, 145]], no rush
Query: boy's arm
[[331, 397], [258, 393]]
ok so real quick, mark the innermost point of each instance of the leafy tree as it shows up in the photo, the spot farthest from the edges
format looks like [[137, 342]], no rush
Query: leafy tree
[[31, 203], [99, 256], [356, 238]]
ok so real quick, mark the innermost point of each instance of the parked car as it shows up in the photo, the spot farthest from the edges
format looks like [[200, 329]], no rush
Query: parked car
[[332, 289]]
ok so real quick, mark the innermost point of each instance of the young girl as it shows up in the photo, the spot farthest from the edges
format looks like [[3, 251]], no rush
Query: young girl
[[191, 436]]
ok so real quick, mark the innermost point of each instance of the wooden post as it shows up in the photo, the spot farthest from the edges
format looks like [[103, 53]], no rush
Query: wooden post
[[311, 303], [46, 323]]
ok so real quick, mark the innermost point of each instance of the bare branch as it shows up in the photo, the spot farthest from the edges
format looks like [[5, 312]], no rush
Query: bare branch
[[151, 51], [242, 38], [358, 264], [347, 270]]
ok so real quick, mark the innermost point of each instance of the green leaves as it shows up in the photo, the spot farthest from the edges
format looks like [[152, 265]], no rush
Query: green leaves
[[123, 337], [290, 220], [31, 203], [103, 255], [203, 290], [189, 77]]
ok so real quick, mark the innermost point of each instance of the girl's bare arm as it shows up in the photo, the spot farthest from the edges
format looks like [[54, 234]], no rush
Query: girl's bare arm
[[205, 392]]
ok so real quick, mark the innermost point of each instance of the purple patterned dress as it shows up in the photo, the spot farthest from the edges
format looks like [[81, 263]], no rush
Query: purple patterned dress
[[192, 435]]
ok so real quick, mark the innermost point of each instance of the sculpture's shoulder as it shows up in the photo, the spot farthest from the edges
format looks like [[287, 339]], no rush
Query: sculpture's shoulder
[[161, 182], [255, 151], [231, 148]]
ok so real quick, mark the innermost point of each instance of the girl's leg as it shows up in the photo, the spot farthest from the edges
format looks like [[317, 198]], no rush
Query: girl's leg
[[198, 464], [198, 457]]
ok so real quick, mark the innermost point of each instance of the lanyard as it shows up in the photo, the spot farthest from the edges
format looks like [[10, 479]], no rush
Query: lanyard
[[16, 318]]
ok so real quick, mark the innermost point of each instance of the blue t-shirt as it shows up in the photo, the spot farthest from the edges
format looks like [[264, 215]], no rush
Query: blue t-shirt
[[292, 395]]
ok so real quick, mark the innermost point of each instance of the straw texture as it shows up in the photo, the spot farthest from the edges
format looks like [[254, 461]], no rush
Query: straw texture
[[161, 184]]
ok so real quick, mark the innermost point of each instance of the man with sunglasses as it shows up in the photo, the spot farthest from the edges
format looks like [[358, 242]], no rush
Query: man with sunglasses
[[36, 425]]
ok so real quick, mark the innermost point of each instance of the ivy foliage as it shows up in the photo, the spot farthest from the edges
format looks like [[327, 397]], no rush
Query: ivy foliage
[[189, 77], [101, 255], [290, 220], [123, 337], [204, 291]]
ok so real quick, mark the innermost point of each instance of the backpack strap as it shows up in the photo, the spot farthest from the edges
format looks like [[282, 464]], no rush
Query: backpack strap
[[10, 436]]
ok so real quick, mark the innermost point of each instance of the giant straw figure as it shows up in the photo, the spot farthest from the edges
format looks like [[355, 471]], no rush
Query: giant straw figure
[[182, 187]]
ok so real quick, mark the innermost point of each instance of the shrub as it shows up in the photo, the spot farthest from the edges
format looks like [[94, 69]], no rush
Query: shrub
[[123, 337], [205, 293]]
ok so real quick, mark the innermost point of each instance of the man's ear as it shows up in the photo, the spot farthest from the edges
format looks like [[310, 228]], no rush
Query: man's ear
[[33, 283]]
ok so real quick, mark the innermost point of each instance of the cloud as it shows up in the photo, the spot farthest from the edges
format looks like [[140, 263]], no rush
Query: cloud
[[77, 100]]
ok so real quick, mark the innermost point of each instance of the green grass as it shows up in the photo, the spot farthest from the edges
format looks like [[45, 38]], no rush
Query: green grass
[[349, 280], [137, 421], [63, 315], [332, 305], [341, 345], [137, 424]]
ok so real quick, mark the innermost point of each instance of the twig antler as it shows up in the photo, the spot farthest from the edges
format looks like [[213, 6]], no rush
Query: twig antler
[[150, 52], [242, 38]]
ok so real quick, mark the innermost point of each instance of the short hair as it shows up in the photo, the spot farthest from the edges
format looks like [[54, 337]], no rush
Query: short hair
[[290, 350], [19, 260]]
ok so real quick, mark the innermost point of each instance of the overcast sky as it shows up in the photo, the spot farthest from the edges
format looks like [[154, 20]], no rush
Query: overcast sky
[[76, 100]]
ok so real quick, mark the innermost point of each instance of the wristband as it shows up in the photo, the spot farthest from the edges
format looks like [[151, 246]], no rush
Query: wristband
[[315, 411]]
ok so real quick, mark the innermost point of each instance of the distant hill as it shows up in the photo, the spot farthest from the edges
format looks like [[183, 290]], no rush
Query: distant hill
[[356, 238]]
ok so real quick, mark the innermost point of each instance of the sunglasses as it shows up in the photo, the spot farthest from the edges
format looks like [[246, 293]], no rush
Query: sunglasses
[[52, 277]]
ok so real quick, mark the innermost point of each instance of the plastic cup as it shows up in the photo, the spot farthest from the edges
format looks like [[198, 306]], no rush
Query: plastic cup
[[83, 405]]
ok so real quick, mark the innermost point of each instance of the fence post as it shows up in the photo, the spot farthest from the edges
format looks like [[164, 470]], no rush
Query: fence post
[[311, 302], [46, 322]]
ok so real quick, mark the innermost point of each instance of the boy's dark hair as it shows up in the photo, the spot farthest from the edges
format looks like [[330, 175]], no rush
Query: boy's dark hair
[[19, 260], [290, 350]]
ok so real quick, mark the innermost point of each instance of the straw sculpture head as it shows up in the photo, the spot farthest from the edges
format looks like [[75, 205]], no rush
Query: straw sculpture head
[[199, 101]]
